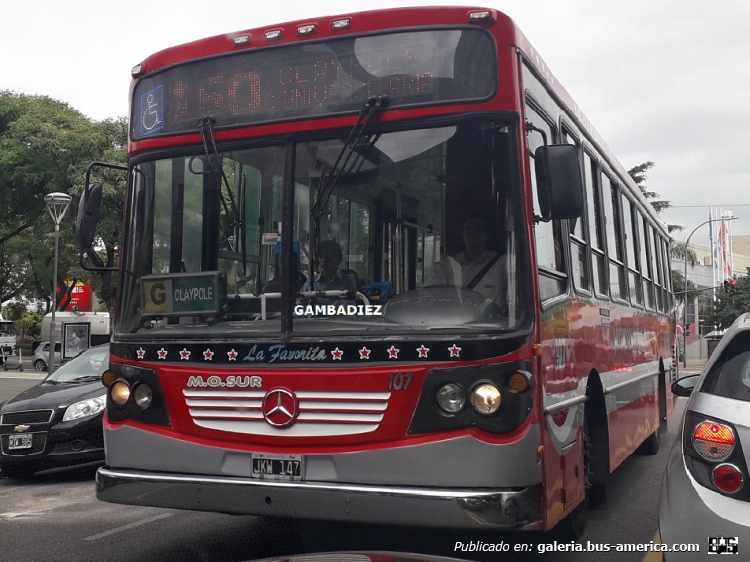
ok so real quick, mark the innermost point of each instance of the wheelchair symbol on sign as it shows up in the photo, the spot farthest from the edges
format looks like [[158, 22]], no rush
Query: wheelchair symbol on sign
[[151, 116]]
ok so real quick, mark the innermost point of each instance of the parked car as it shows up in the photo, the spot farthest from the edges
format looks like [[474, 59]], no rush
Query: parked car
[[41, 356], [705, 494], [58, 422]]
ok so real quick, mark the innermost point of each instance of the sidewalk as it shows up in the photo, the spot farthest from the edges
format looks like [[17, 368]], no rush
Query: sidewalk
[[694, 364]]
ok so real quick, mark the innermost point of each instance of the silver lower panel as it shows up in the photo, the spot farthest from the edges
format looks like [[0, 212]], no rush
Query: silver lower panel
[[432, 507]]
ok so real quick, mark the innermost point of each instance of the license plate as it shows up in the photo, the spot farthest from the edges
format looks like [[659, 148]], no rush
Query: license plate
[[277, 467], [21, 441]]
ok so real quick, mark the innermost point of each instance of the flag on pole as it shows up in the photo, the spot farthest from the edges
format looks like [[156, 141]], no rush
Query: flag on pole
[[714, 261], [723, 234]]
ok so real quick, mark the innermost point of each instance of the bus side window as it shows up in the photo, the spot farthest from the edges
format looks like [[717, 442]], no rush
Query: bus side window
[[579, 259], [550, 262]]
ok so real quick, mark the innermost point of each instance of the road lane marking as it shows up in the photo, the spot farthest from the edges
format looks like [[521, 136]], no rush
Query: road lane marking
[[128, 526], [654, 556]]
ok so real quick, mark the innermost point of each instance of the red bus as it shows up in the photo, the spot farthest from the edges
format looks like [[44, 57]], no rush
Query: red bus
[[378, 267]]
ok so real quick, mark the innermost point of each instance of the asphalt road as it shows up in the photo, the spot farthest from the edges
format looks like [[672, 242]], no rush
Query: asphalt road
[[55, 516]]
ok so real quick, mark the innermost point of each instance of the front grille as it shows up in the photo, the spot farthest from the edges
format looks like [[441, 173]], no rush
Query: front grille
[[319, 414], [38, 443], [30, 416]]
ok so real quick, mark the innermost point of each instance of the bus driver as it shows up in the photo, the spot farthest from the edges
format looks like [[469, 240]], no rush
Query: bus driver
[[477, 267]]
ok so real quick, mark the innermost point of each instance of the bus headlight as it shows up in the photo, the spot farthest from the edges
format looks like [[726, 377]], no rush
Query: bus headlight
[[143, 396], [486, 398], [451, 398], [119, 393]]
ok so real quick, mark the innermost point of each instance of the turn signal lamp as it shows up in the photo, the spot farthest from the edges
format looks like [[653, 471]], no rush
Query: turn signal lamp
[[108, 378], [486, 399], [713, 441], [518, 382], [119, 393], [727, 478]]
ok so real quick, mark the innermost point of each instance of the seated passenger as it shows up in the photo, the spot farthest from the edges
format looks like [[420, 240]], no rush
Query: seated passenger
[[330, 278], [477, 267], [357, 279]]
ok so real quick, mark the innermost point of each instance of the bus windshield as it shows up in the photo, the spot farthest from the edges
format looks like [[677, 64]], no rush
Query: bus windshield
[[420, 232], [7, 329]]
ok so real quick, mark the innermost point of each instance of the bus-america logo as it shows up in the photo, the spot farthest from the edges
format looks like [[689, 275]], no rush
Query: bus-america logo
[[230, 381]]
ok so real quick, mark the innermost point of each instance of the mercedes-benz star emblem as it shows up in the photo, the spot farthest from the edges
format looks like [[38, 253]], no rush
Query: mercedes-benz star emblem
[[280, 407]]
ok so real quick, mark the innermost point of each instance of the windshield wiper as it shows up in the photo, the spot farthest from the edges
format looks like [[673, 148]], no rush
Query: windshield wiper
[[237, 216], [329, 179], [87, 378]]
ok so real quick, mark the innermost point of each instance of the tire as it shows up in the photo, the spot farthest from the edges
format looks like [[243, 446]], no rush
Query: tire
[[40, 365], [650, 446], [573, 526]]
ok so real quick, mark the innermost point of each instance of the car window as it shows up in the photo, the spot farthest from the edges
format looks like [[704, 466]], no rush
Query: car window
[[730, 375], [91, 363]]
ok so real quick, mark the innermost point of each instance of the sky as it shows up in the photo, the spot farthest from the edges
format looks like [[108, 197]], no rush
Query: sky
[[661, 80]]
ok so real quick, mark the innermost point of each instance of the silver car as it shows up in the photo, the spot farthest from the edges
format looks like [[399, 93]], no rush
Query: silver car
[[41, 356], [705, 493]]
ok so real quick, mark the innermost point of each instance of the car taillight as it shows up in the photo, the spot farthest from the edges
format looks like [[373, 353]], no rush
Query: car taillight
[[728, 478], [713, 441]]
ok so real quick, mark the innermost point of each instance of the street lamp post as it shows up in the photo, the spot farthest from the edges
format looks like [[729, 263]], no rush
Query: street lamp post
[[684, 280], [57, 204]]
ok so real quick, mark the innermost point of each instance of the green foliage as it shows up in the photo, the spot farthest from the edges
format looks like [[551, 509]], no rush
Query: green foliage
[[30, 324], [638, 173], [729, 306], [677, 249], [678, 285], [45, 146]]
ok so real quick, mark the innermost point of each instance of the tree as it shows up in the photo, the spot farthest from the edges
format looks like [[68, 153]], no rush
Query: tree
[[638, 174], [729, 306], [678, 285], [677, 250], [45, 146]]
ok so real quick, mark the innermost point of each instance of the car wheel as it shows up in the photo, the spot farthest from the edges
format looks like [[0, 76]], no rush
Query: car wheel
[[19, 471], [40, 365]]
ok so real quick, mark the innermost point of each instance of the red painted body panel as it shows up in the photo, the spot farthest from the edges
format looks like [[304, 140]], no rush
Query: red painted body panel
[[391, 432], [574, 340]]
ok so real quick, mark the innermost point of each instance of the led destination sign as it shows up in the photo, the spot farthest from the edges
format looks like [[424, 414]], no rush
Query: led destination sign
[[312, 79], [183, 294]]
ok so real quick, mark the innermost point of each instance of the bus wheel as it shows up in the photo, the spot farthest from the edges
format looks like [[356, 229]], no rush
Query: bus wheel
[[572, 527], [650, 446], [596, 451]]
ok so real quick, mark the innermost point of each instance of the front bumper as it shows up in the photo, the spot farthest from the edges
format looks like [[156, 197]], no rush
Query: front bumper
[[518, 509], [57, 444]]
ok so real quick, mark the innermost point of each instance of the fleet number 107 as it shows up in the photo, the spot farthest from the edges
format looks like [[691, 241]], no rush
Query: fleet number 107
[[399, 381]]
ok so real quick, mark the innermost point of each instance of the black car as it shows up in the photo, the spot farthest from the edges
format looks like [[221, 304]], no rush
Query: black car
[[58, 422]]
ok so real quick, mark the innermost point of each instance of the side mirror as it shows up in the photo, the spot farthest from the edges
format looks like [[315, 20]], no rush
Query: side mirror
[[559, 183], [88, 216], [685, 385]]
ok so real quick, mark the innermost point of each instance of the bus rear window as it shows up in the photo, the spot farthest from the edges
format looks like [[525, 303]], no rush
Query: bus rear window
[[730, 375]]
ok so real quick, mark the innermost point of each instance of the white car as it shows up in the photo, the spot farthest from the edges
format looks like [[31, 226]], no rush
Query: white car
[[705, 493], [41, 356]]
